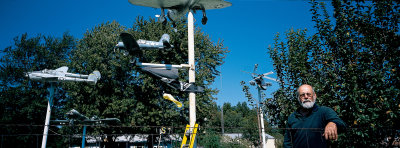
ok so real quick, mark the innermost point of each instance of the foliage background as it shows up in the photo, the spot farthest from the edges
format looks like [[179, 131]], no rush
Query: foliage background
[[352, 62], [122, 92]]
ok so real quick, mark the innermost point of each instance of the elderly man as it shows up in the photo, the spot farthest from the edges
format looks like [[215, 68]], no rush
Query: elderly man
[[311, 125]]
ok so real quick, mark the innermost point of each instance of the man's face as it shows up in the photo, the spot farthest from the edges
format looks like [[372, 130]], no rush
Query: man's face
[[306, 96]]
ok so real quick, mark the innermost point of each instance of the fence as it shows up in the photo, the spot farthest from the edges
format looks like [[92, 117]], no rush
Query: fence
[[22, 135]]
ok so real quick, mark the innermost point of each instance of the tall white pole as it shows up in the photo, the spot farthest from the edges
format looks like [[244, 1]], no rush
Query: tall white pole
[[192, 77], [47, 122], [46, 125], [261, 118], [192, 95]]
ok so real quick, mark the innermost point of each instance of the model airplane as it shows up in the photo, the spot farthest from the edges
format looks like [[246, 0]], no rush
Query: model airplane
[[178, 8], [258, 79], [169, 75], [61, 74], [74, 117], [171, 98], [132, 45]]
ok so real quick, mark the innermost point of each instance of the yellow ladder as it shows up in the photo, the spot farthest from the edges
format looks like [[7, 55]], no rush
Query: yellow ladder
[[189, 133]]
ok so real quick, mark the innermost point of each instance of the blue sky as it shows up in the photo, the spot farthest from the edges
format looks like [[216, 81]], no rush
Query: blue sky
[[247, 28]]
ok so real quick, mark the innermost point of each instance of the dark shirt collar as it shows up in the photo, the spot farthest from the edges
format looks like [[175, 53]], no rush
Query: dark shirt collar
[[314, 109]]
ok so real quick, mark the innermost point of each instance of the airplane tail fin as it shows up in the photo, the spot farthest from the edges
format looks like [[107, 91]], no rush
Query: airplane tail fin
[[95, 76], [171, 98], [165, 40], [63, 69]]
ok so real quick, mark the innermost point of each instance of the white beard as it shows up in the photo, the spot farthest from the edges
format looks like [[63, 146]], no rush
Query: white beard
[[307, 104]]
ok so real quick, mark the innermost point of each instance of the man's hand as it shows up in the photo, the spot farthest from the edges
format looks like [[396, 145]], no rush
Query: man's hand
[[330, 131]]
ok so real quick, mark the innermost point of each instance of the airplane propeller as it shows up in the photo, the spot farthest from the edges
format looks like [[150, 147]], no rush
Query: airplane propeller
[[258, 78]]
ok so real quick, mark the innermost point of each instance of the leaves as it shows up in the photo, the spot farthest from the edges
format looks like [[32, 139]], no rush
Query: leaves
[[350, 64], [123, 91], [23, 101]]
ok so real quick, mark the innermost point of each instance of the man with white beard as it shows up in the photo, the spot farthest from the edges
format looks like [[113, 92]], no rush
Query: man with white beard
[[311, 125]]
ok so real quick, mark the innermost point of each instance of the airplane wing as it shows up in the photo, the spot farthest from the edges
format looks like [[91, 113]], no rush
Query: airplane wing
[[158, 3], [271, 78], [268, 73], [47, 76], [63, 69], [129, 42], [175, 4], [112, 121], [162, 72], [60, 122], [211, 4]]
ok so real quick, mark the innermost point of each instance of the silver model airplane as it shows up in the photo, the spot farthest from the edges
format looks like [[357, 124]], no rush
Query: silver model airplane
[[169, 77], [178, 8], [258, 79], [61, 74], [132, 45], [169, 74], [74, 117]]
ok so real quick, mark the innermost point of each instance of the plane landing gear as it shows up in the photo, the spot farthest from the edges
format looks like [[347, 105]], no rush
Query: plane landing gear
[[204, 20]]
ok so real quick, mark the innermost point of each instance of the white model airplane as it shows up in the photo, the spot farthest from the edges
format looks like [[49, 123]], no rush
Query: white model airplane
[[61, 74], [169, 75], [178, 8], [132, 45], [74, 117]]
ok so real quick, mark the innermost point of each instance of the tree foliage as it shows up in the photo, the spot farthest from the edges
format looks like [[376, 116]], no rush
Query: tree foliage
[[134, 97], [239, 119], [352, 61], [123, 91], [24, 102]]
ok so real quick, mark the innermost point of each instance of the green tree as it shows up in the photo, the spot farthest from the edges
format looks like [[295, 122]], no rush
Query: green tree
[[353, 64], [134, 97], [252, 129], [22, 101], [123, 92]]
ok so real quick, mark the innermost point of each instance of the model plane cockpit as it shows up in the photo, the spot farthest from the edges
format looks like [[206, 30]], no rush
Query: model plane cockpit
[[132, 45]]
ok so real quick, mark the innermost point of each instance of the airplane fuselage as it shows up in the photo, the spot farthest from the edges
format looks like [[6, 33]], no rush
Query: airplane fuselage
[[178, 8], [60, 75]]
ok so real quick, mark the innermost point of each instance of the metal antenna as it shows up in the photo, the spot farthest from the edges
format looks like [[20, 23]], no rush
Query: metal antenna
[[257, 79]]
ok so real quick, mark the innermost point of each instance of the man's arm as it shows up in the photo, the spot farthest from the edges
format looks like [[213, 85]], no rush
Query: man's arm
[[331, 116], [334, 123], [330, 132]]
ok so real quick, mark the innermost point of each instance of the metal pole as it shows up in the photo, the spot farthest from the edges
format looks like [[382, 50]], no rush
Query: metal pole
[[159, 139], [261, 118], [222, 119], [46, 125], [48, 113], [83, 136], [259, 124], [192, 77]]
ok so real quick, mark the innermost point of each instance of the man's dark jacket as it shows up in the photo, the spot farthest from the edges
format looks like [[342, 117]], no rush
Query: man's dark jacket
[[306, 131]]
